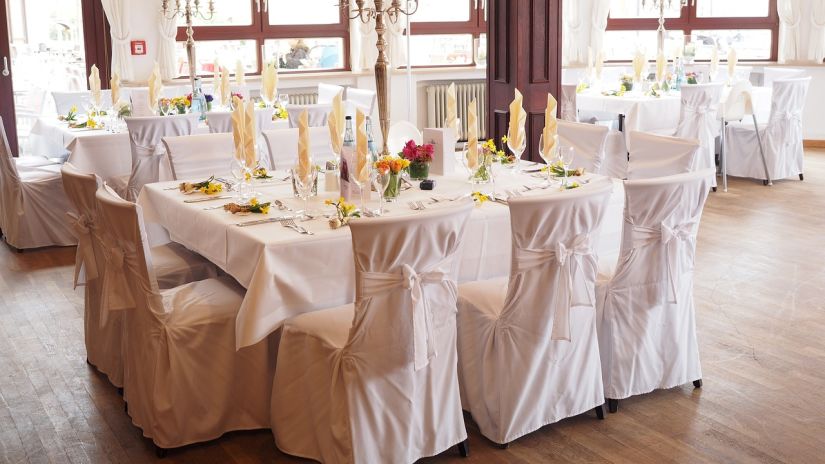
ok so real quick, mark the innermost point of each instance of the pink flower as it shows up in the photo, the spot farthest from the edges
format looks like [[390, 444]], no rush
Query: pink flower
[[417, 153]]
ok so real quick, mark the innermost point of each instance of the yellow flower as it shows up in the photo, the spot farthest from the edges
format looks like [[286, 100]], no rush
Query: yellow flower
[[479, 197], [73, 109], [265, 209], [328, 202], [91, 123], [504, 139], [253, 202]]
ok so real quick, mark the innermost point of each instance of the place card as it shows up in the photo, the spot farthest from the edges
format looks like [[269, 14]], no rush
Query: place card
[[443, 141]]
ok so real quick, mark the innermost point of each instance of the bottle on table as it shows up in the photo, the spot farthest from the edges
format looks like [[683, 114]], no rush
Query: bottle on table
[[199, 104], [371, 142]]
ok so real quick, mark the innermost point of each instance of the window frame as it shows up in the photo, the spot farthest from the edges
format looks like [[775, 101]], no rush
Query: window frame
[[688, 21], [475, 25]]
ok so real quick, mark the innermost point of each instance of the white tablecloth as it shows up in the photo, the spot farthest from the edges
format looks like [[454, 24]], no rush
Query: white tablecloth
[[287, 274]]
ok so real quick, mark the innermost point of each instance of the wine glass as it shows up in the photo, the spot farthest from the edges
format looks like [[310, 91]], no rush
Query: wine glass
[[164, 106], [381, 180], [565, 155], [547, 157], [238, 171], [517, 149], [283, 100], [363, 187], [304, 185], [465, 151]]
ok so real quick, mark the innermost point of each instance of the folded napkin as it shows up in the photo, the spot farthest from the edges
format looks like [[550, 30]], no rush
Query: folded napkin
[[518, 117], [589, 71], [216, 80], [714, 63], [732, 61], [240, 73], [551, 126], [114, 83], [155, 87], [661, 65], [94, 86], [336, 122], [599, 64], [304, 158], [472, 135], [226, 91], [269, 82], [639, 65], [452, 109], [243, 132], [362, 152]]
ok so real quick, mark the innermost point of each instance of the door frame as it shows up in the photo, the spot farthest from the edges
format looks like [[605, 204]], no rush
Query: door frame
[[6, 88]]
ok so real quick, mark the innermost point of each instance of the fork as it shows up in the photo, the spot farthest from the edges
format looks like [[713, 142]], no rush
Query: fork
[[281, 205], [290, 224]]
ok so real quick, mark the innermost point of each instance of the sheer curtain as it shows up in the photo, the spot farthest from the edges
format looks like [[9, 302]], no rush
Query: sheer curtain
[[117, 14], [584, 24], [364, 56], [168, 30], [801, 31], [790, 19], [816, 42]]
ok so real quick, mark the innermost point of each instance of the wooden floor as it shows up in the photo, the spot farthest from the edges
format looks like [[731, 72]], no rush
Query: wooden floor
[[761, 316]]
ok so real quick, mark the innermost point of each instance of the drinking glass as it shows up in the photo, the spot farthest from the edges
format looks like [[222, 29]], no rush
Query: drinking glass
[[548, 158], [238, 171], [565, 155], [517, 150], [283, 100], [363, 187], [304, 185], [476, 175], [381, 180], [164, 106]]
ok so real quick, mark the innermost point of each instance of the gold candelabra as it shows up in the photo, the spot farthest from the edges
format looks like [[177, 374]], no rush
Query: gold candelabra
[[189, 10], [379, 13], [661, 5]]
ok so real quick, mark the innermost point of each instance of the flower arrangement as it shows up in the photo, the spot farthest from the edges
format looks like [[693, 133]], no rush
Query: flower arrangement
[[627, 83], [71, 116], [581, 87], [691, 78], [123, 109], [479, 198], [394, 166], [420, 157], [501, 155], [280, 113], [344, 212], [253, 207], [261, 173], [571, 186], [209, 187], [557, 169], [181, 104]]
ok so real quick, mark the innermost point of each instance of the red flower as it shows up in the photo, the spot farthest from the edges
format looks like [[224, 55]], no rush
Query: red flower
[[417, 153]]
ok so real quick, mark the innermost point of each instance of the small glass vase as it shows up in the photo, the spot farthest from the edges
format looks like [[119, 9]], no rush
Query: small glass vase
[[393, 190], [419, 170], [484, 171]]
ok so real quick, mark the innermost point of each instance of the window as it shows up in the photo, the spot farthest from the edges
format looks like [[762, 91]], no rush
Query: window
[[310, 38], [750, 26], [448, 33]]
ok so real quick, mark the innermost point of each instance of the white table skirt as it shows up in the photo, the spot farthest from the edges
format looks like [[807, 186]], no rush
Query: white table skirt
[[287, 274]]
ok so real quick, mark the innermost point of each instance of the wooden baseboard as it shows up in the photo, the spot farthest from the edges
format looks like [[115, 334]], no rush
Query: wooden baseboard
[[813, 143]]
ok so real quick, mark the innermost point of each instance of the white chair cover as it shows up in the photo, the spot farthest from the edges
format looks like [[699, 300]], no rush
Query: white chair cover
[[317, 114], [196, 157], [698, 120], [283, 147], [781, 136], [377, 382], [360, 99], [587, 141], [615, 155], [568, 103], [743, 73], [657, 155], [772, 74], [183, 380], [63, 101], [221, 121], [326, 92], [32, 203], [148, 153], [528, 354], [647, 328]]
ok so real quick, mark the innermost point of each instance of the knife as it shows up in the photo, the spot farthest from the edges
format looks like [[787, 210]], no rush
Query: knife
[[263, 221], [200, 200]]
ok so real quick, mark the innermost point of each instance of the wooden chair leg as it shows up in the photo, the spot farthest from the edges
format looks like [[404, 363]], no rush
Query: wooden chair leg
[[464, 448], [612, 405], [600, 412], [503, 446], [160, 452], [697, 383], [801, 177]]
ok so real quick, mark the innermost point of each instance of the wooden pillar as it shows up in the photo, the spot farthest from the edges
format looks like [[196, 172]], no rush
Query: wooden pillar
[[524, 52]]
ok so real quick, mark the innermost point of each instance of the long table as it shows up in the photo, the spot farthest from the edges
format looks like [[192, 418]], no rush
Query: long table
[[287, 274]]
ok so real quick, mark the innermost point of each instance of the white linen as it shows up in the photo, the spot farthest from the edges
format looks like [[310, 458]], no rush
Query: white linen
[[318, 114], [645, 312], [196, 157], [587, 141], [528, 352], [568, 103], [119, 21], [698, 120], [657, 155], [221, 121], [32, 204], [642, 113], [183, 380], [326, 92], [282, 146], [258, 256], [148, 156], [781, 136], [64, 101], [364, 384], [168, 32], [360, 99]]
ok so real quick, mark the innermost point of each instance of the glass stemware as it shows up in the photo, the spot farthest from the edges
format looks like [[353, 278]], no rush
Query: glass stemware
[[380, 181], [304, 185], [517, 150], [363, 188], [565, 155], [548, 158], [283, 100], [238, 171]]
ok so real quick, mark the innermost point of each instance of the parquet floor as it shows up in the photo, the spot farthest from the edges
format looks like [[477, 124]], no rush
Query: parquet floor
[[761, 317]]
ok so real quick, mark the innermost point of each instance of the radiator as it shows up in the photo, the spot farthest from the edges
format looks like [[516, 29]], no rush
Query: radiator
[[308, 98], [465, 92]]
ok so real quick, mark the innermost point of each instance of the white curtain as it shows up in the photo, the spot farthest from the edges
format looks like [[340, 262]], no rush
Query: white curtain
[[816, 42], [790, 33], [117, 14], [168, 29], [598, 25], [364, 56], [801, 31], [584, 24]]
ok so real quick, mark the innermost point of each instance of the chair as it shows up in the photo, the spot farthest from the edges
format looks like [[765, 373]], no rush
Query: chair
[[63, 101], [326, 92], [568, 103], [221, 121], [145, 136], [614, 163], [283, 146], [360, 99], [734, 109], [376, 381], [528, 353], [645, 312], [698, 120], [772, 74], [317, 114], [32, 204], [743, 73], [199, 156], [183, 381], [658, 155], [782, 141], [400, 133], [587, 141], [173, 265], [140, 103]]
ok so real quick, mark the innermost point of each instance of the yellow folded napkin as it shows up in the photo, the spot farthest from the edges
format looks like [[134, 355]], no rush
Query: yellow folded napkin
[[551, 126], [304, 158], [714, 63], [732, 61], [240, 73], [94, 86], [452, 109], [336, 123], [518, 117], [155, 87], [269, 82], [362, 152], [114, 83], [661, 65], [472, 135], [639, 65], [243, 132], [226, 91], [599, 64]]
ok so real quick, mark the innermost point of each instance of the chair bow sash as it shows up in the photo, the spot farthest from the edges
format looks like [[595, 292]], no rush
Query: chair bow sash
[[565, 255], [672, 238], [788, 125], [82, 227], [376, 283], [116, 293]]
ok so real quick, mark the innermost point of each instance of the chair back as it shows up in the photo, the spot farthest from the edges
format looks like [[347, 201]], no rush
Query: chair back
[[400, 133], [326, 92], [63, 101], [282, 145], [657, 155], [11, 195], [553, 264], [360, 99], [196, 157], [220, 122], [739, 102], [317, 114], [588, 142], [772, 74], [81, 188], [785, 122], [569, 111], [145, 134], [698, 120], [742, 73]]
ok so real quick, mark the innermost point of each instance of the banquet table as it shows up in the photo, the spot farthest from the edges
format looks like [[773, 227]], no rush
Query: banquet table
[[287, 274]]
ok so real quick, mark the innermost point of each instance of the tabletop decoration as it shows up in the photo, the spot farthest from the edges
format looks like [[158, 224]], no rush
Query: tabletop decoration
[[181, 105], [557, 169], [209, 186], [692, 78], [626, 83], [94, 87], [344, 212], [639, 69], [733, 60], [114, 85], [420, 157], [269, 83], [516, 134], [155, 88], [209, 100], [280, 113], [504, 158], [582, 86], [123, 109], [395, 166], [571, 186], [261, 173], [713, 68], [451, 121], [225, 88], [252, 207], [479, 198], [69, 117]]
